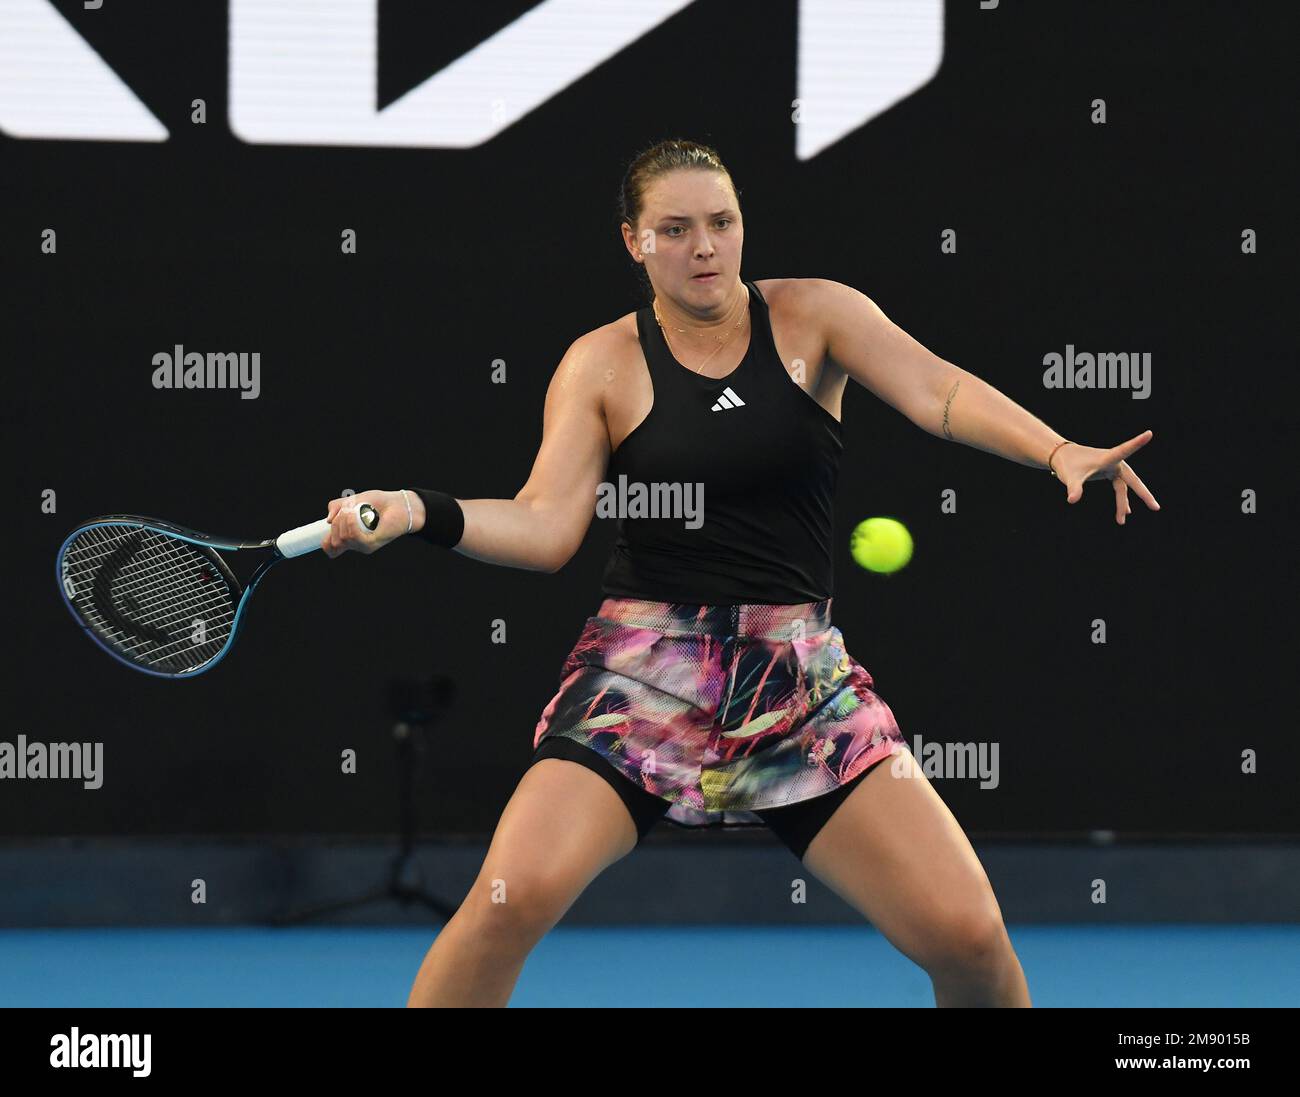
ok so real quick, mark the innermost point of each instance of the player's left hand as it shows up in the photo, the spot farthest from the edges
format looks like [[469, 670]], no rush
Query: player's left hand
[[1075, 464]]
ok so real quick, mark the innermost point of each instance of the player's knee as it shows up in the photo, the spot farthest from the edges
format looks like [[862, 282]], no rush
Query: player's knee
[[518, 906], [968, 942]]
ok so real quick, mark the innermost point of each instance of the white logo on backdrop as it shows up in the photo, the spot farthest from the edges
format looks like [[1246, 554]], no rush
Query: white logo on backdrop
[[305, 74]]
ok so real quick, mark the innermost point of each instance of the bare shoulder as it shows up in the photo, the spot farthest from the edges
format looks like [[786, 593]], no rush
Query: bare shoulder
[[610, 343], [805, 312], [783, 292], [598, 366], [805, 298], [591, 355]]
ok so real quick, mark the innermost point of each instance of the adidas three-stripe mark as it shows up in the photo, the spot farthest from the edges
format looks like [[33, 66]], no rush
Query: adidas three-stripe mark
[[728, 399]]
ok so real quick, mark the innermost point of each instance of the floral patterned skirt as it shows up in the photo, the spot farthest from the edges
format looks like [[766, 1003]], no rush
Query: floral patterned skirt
[[721, 710]]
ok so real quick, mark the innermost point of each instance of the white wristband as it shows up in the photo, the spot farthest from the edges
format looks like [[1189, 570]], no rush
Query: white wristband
[[410, 518]]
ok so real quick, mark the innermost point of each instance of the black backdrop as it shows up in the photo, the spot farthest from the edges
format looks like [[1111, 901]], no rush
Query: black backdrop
[[376, 373]]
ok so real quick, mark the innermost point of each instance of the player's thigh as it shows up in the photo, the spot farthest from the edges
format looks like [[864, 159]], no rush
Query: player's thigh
[[561, 828], [894, 851]]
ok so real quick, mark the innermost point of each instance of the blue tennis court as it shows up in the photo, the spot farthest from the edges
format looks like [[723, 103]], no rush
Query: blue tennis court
[[1163, 966]]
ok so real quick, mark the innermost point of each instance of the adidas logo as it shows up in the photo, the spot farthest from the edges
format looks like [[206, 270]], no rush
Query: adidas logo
[[728, 399]]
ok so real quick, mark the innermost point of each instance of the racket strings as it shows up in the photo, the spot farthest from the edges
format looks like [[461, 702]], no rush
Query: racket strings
[[161, 587], [157, 600], [156, 584], [152, 610]]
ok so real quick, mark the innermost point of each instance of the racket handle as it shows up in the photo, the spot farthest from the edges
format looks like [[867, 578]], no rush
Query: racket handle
[[304, 539]]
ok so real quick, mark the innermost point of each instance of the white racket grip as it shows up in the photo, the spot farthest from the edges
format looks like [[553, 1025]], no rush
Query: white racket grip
[[304, 539]]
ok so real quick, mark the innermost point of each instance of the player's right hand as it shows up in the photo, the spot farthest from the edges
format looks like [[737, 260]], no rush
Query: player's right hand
[[346, 531]]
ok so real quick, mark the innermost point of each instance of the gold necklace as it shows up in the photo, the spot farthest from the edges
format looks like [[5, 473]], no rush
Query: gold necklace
[[722, 339]]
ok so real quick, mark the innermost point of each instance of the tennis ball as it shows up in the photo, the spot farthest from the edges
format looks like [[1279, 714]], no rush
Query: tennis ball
[[881, 544]]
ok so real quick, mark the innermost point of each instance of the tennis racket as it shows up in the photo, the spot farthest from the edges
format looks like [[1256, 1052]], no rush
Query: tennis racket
[[160, 597]]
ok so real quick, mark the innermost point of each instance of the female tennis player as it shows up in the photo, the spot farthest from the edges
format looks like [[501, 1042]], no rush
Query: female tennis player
[[710, 687]]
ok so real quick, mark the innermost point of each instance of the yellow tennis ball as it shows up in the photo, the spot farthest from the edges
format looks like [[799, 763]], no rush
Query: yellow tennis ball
[[881, 544]]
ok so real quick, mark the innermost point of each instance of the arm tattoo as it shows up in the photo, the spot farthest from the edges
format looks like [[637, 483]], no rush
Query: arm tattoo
[[946, 432]]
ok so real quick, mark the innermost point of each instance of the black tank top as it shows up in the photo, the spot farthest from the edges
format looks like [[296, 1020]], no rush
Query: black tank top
[[767, 456]]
